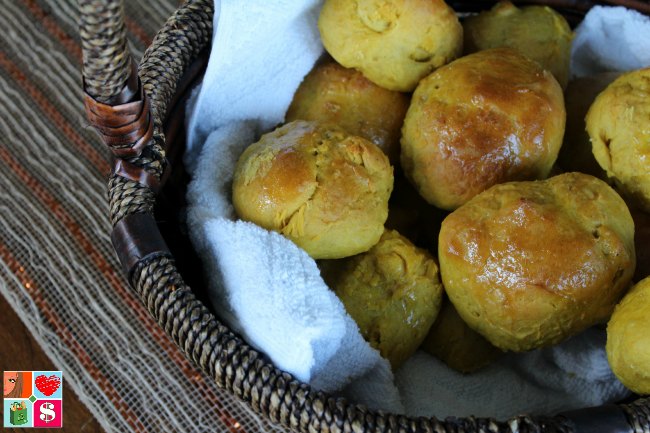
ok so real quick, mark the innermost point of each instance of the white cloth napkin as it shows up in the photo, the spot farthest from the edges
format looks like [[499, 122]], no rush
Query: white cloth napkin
[[610, 39], [569, 376], [261, 50], [262, 284], [271, 292]]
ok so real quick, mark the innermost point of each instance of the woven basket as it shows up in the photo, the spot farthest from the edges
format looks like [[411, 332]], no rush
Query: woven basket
[[138, 113]]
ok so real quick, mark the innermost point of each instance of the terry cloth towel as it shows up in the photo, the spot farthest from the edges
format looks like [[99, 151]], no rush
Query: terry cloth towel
[[572, 375], [611, 39], [262, 284], [271, 292]]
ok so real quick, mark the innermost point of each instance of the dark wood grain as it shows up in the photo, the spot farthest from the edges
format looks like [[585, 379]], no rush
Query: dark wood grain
[[25, 354]]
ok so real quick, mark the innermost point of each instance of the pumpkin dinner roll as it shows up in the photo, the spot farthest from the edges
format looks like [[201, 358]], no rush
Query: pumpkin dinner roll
[[538, 32], [487, 118], [392, 292], [617, 123], [394, 43], [331, 93], [529, 264], [628, 339], [322, 188]]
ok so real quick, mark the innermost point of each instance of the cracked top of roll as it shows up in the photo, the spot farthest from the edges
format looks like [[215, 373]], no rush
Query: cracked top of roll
[[394, 43], [529, 264], [322, 188]]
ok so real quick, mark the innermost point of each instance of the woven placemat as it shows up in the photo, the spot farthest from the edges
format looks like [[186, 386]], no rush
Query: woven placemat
[[57, 266]]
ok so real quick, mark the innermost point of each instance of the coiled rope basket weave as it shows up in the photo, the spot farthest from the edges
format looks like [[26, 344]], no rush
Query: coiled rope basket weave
[[138, 112]]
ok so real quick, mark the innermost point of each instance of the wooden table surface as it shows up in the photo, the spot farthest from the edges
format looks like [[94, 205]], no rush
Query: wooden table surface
[[24, 354]]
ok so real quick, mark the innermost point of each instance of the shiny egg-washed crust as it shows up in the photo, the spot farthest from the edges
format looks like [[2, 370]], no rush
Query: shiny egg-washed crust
[[487, 118], [456, 344], [628, 339], [393, 292], [617, 123], [528, 264], [331, 93], [324, 189], [538, 32], [394, 43]]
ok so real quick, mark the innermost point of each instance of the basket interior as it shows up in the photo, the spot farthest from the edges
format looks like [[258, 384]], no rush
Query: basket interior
[[171, 202]]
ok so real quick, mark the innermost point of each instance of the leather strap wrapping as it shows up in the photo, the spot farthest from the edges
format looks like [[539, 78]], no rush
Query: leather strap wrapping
[[125, 125], [137, 174], [124, 128], [136, 237]]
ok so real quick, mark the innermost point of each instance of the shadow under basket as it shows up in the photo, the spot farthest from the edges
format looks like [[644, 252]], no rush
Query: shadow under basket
[[139, 113]]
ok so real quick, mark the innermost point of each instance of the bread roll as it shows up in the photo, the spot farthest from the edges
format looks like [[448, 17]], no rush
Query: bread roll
[[528, 264], [538, 32], [484, 119], [628, 339], [617, 124], [331, 93], [392, 292], [322, 188], [394, 43]]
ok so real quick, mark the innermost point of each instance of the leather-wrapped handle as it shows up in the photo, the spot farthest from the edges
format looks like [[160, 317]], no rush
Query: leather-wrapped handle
[[115, 101], [120, 110], [136, 238]]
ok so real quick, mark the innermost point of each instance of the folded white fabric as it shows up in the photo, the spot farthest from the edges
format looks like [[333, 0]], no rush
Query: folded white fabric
[[611, 39], [261, 50], [262, 284], [569, 376], [271, 292]]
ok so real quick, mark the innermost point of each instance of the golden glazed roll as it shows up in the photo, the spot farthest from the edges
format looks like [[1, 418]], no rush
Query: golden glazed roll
[[484, 119], [392, 292], [617, 124], [538, 32], [528, 264], [628, 339], [456, 344], [331, 93], [324, 189], [394, 43]]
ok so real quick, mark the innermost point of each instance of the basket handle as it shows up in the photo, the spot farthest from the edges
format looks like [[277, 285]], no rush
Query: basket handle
[[115, 102], [109, 72], [120, 110], [128, 105]]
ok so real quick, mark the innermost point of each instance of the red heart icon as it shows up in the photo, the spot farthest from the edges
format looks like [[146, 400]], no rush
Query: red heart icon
[[47, 385]]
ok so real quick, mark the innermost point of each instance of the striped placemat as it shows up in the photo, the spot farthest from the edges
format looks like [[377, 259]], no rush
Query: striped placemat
[[57, 266]]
